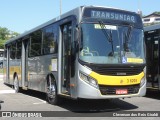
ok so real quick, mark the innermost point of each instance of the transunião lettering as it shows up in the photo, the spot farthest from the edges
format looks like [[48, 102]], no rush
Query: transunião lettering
[[113, 16]]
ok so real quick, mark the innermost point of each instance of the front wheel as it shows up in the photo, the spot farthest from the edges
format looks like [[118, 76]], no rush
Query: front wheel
[[51, 94]]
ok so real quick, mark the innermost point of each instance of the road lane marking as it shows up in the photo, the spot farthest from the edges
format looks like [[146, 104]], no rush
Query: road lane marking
[[38, 103], [6, 91], [42, 102]]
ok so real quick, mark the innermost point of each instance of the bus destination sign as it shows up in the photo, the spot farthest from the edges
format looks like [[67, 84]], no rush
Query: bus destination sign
[[112, 15]]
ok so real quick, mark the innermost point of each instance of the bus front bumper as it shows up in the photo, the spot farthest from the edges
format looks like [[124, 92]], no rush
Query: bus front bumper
[[87, 91]]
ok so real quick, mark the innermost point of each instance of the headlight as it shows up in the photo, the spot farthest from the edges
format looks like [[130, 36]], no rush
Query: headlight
[[83, 77], [142, 81], [88, 79]]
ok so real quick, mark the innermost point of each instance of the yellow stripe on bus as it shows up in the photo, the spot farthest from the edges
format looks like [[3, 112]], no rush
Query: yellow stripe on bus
[[117, 80], [14, 69]]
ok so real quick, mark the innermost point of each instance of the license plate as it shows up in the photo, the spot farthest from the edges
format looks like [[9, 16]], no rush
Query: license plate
[[121, 91]]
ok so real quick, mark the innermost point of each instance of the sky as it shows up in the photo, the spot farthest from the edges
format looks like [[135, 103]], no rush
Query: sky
[[23, 15]]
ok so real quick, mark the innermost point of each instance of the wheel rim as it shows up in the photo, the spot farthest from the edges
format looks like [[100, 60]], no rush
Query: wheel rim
[[51, 91]]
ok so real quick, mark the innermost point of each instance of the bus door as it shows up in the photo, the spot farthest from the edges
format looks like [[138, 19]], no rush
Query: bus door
[[66, 57], [153, 61], [24, 71]]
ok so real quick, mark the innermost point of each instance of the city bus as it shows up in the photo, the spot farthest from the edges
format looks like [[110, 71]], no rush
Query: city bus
[[90, 52], [152, 39]]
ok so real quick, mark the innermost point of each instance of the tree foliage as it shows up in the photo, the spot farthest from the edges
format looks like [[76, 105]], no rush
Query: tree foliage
[[5, 35], [2, 42], [157, 12]]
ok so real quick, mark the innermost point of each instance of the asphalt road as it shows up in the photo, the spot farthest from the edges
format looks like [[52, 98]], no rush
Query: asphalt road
[[35, 101]]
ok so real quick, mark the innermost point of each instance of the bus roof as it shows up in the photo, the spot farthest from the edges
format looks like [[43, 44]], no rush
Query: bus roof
[[75, 12], [152, 27], [109, 8]]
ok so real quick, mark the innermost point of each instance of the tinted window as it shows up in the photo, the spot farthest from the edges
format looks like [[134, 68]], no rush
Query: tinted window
[[49, 40], [35, 44], [19, 50], [146, 20], [13, 51], [157, 19]]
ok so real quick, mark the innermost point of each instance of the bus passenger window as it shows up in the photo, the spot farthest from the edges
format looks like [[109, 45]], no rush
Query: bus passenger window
[[19, 50], [35, 44], [49, 41], [13, 51]]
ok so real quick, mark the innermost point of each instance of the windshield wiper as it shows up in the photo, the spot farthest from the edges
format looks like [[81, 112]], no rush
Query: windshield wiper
[[108, 36], [127, 37]]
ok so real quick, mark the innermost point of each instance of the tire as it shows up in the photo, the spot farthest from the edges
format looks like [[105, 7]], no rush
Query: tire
[[16, 84], [51, 94]]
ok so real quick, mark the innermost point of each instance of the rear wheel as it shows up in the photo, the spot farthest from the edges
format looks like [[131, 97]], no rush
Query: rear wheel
[[51, 94], [16, 84]]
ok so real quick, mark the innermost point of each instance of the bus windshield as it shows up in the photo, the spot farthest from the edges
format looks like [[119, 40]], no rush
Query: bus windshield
[[111, 44]]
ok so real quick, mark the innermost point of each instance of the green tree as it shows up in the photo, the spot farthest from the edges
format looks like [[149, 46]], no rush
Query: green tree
[[13, 34], [2, 42], [157, 12], [4, 33]]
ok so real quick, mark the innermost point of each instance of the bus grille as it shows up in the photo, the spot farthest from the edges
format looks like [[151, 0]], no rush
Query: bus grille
[[119, 71], [111, 90]]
